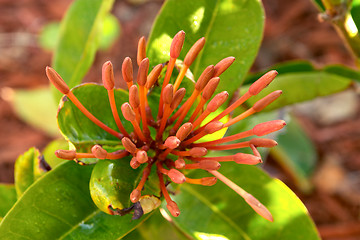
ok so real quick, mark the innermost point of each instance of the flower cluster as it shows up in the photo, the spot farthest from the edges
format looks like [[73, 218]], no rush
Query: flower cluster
[[174, 137]]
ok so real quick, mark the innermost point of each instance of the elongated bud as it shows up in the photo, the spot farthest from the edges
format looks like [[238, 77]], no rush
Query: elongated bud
[[173, 208], [262, 82], [141, 51], [141, 156], [134, 96], [208, 181], [66, 154], [217, 101], [142, 72], [172, 142], [210, 88], [184, 131], [128, 145], [134, 163], [99, 152], [263, 142], [243, 158], [177, 44], [153, 76], [268, 127], [128, 112], [194, 51], [209, 165], [221, 66], [135, 195], [204, 78], [56, 80], [176, 176], [178, 97], [108, 75], [127, 70], [258, 207], [198, 152], [180, 163], [266, 101], [168, 94], [213, 127]]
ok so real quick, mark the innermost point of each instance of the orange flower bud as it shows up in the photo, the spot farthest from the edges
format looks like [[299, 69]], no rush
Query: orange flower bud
[[194, 51], [262, 82], [57, 81], [108, 75], [99, 152], [177, 44], [221, 66], [268, 127]]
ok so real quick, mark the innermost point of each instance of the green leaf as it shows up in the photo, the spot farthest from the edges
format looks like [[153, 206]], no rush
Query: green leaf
[[49, 35], [355, 12], [299, 87], [78, 39], [81, 131], [36, 107], [49, 152], [231, 28], [28, 168], [59, 206], [298, 159], [110, 31], [7, 198], [157, 228], [206, 213]]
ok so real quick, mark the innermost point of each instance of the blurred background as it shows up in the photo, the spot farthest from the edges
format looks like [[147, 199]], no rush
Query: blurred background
[[292, 32]]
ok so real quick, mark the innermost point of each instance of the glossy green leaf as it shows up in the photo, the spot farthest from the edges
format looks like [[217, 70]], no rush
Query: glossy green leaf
[[78, 39], [299, 87], [28, 168], [59, 206], [355, 12], [49, 152], [219, 213], [306, 66], [7, 198], [296, 153], [231, 28], [77, 128], [157, 228], [36, 107]]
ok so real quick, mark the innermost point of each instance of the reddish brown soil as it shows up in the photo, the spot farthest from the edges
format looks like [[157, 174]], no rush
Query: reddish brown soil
[[292, 32]]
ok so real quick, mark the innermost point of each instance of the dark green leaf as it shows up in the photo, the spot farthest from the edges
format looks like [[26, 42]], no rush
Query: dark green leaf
[[219, 212], [355, 12], [77, 128], [7, 198], [59, 206], [28, 168], [299, 87], [78, 39], [296, 153], [157, 228], [231, 28]]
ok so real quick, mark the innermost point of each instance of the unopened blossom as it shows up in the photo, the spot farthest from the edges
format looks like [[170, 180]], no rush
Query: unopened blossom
[[176, 136]]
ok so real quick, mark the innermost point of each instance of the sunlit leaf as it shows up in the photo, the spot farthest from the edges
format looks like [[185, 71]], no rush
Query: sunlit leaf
[[231, 28], [7, 198], [78, 39], [36, 107], [219, 213], [59, 206], [28, 168]]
